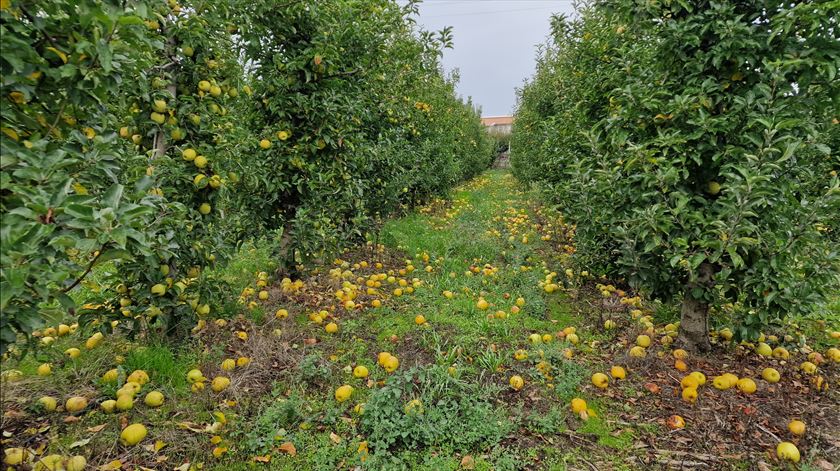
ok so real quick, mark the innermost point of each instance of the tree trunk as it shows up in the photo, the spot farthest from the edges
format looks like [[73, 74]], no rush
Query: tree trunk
[[160, 144], [160, 137], [694, 322]]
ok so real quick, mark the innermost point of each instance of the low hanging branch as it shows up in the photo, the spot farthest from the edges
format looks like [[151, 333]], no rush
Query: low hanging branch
[[87, 270]]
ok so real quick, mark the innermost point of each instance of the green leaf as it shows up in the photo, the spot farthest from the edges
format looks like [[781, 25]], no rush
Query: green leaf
[[25, 213], [119, 235], [114, 254], [695, 260], [29, 319], [131, 20], [112, 197], [63, 241], [130, 213], [6, 294], [737, 261], [61, 195], [144, 184], [80, 211], [104, 56], [66, 301]]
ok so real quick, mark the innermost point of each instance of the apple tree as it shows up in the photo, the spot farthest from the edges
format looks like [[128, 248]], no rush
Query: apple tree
[[70, 198], [712, 166], [180, 118], [143, 140], [100, 103], [354, 120]]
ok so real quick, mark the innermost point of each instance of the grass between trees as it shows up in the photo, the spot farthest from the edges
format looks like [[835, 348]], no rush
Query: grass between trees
[[489, 270]]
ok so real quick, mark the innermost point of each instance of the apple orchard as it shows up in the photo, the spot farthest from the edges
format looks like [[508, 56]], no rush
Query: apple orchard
[[264, 234]]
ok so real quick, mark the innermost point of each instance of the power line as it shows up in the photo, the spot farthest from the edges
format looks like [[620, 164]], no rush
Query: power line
[[440, 2], [488, 12]]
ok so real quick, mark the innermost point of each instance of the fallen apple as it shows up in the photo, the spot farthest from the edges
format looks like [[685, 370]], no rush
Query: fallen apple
[[675, 422]]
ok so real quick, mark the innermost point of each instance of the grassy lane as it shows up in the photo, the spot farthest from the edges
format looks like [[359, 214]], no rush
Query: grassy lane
[[472, 262], [490, 243]]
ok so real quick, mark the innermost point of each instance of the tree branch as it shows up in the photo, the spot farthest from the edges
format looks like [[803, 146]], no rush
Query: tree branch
[[46, 35], [343, 74], [87, 271], [57, 117]]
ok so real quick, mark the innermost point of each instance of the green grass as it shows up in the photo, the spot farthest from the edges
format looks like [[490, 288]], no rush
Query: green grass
[[605, 434], [250, 259], [462, 243], [166, 369]]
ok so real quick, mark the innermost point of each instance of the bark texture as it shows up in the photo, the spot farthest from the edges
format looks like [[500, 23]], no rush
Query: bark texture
[[694, 321], [160, 143]]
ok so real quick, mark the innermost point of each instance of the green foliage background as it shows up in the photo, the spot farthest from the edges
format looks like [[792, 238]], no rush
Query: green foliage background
[[638, 110], [93, 175]]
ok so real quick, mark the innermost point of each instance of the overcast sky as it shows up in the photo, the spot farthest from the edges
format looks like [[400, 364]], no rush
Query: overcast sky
[[495, 44]]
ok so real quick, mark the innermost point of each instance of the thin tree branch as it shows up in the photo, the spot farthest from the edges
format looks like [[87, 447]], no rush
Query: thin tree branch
[[343, 74], [87, 271], [57, 117]]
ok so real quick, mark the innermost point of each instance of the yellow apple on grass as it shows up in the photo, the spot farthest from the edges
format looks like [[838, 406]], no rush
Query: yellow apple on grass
[[600, 380]]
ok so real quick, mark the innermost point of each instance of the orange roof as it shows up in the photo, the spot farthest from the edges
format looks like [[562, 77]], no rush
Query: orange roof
[[496, 120]]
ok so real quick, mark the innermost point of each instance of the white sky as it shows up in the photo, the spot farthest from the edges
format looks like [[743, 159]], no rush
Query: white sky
[[495, 44]]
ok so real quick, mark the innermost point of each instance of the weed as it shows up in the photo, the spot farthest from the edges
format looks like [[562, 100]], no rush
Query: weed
[[491, 360], [452, 413], [504, 459], [567, 375], [273, 424], [548, 422], [313, 370]]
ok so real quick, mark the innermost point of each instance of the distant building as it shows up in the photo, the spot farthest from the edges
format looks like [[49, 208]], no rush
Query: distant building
[[499, 128], [499, 124]]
